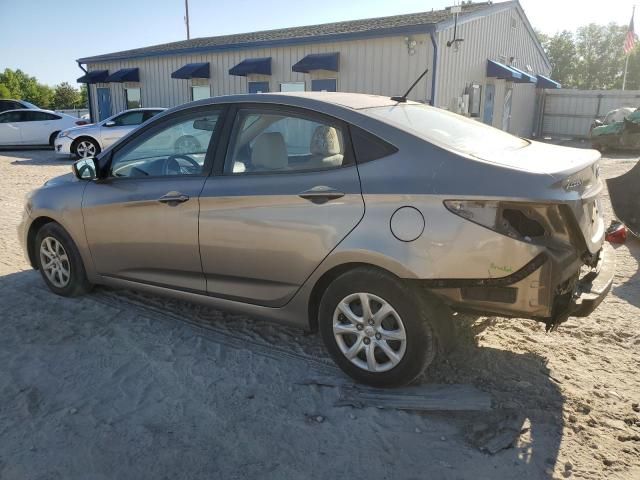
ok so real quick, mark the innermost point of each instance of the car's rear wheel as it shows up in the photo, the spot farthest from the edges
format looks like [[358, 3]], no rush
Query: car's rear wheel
[[52, 138], [376, 328], [86, 147], [59, 261]]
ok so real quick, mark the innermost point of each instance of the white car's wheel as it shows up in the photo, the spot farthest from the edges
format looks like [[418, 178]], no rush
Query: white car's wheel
[[86, 147]]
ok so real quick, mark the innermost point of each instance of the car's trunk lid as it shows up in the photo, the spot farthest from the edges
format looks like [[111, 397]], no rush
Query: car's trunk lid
[[575, 181]]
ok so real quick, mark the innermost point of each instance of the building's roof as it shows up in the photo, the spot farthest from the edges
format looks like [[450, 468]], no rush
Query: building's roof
[[312, 33]]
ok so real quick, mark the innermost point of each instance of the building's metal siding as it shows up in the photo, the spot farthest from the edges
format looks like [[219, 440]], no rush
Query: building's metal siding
[[490, 37], [379, 66]]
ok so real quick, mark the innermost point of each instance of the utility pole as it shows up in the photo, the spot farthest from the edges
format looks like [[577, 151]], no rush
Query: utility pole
[[186, 17]]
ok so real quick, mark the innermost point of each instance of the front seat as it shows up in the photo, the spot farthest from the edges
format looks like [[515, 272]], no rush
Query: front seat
[[325, 147], [269, 152]]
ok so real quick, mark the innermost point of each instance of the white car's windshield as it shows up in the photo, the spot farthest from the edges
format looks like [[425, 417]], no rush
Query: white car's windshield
[[449, 130]]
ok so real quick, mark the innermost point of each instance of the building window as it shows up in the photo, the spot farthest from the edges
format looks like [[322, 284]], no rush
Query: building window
[[292, 87], [132, 97], [258, 87], [324, 85], [198, 92]]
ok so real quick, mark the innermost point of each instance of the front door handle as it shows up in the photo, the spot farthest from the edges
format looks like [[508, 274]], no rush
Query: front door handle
[[173, 198], [321, 194]]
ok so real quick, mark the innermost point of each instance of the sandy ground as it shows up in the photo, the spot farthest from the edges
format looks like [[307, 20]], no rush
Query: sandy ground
[[122, 385]]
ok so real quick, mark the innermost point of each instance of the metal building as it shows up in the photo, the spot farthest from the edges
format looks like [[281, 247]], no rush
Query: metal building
[[484, 60]]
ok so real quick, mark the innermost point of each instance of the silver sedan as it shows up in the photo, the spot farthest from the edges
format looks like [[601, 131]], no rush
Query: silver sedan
[[366, 218], [90, 140]]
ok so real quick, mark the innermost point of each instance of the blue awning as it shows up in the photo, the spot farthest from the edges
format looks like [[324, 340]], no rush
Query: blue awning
[[97, 76], [498, 70], [124, 75], [526, 77], [192, 70], [318, 61], [546, 82], [250, 66]]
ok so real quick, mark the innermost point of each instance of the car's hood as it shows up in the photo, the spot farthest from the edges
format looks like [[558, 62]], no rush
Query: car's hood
[[61, 180], [79, 129], [544, 158]]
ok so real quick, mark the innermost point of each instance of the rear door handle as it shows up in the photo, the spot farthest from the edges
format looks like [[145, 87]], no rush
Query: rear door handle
[[174, 198], [321, 194]]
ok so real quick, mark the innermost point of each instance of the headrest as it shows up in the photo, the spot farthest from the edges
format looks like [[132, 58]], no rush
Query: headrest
[[325, 141], [269, 152]]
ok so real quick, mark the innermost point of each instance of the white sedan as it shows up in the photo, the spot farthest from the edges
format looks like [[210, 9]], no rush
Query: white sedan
[[33, 126], [90, 140]]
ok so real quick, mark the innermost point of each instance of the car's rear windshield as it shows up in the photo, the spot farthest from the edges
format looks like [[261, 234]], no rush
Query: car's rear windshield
[[449, 130]]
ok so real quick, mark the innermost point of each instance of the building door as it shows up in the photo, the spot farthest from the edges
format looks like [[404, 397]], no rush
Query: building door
[[506, 112], [489, 98], [258, 87], [104, 103], [324, 85]]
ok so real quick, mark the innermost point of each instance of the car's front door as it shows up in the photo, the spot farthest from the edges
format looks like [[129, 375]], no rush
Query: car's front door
[[10, 133], [142, 220], [119, 126], [288, 194]]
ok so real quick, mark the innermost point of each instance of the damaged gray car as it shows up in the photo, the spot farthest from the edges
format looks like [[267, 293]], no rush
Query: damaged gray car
[[367, 218]]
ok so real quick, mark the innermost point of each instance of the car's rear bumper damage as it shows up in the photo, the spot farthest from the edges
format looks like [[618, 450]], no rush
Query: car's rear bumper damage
[[551, 288]]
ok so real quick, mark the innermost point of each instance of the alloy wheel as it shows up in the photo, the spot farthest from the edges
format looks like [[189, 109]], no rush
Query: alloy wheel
[[369, 332], [86, 149], [55, 262]]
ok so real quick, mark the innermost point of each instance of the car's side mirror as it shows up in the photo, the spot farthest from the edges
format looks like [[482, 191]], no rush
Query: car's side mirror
[[110, 123], [86, 169], [598, 123]]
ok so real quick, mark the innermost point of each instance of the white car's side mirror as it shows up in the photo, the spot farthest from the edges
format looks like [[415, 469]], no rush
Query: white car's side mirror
[[110, 123]]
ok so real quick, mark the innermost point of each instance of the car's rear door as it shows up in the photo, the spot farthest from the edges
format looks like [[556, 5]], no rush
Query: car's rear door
[[10, 133], [36, 127], [141, 221], [284, 195]]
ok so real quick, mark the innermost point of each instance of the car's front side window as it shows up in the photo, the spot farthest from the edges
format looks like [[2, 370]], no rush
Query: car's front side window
[[179, 147], [129, 119], [266, 141]]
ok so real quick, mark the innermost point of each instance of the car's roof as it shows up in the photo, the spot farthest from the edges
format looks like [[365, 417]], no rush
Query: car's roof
[[34, 110], [349, 101], [355, 101]]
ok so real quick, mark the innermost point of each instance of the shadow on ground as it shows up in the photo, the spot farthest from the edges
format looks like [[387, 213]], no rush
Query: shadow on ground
[[105, 387]]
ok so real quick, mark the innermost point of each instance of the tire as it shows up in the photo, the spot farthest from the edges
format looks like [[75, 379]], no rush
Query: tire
[[52, 138], [75, 282], [85, 147], [416, 315]]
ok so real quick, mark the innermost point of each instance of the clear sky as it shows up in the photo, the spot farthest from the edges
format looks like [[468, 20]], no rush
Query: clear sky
[[45, 37]]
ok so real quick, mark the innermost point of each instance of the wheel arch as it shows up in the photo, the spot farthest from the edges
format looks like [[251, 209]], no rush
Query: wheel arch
[[52, 137], [323, 282], [74, 144], [34, 228]]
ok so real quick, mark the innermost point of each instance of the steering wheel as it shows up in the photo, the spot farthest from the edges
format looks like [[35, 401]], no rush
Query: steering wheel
[[173, 167]]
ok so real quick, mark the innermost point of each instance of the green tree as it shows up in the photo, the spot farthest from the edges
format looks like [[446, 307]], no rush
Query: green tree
[[84, 96], [4, 91], [66, 96], [561, 51], [600, 62]]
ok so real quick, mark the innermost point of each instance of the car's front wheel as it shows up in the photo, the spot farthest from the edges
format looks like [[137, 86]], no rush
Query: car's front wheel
[[86, 147], [376, 328], [59, 261]]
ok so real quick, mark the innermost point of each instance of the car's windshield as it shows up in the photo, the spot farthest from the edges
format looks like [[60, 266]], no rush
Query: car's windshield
[[449, 130]]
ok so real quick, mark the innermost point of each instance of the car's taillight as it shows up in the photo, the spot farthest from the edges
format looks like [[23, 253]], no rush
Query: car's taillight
[[82, 122], [516, 220]]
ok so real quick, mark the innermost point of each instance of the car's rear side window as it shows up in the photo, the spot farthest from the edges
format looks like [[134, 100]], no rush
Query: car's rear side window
[[369, 147], [274, 141], [448, 130], [35, 116]]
